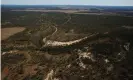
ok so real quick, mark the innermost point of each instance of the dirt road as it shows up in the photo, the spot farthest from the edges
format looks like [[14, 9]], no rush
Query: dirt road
[[56, 29]]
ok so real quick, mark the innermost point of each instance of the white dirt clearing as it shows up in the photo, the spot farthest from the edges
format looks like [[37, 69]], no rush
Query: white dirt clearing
[[7, 32]]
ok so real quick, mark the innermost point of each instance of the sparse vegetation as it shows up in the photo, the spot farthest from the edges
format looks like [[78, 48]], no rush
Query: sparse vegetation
[[105, 56]]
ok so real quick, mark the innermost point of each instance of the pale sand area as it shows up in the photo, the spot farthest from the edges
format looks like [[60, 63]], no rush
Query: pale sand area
[[7, 32]]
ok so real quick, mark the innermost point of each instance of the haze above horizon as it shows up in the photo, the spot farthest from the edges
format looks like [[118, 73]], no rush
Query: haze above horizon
[[69, 2]]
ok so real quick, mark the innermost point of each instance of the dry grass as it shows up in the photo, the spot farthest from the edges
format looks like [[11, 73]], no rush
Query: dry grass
[[7, 32]]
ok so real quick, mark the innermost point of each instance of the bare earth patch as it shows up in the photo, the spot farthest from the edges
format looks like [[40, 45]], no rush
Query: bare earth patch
[[64, 11], [7, 32]]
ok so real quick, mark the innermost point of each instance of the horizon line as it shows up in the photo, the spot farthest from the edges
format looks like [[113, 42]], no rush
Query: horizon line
[[65, 5]]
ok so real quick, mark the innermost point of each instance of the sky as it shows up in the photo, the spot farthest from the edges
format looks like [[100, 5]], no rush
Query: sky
[[70, 2]]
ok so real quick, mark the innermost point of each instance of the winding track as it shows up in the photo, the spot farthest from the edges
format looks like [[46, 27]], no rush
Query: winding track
[[57, 43], [62, 24], [56, 29]]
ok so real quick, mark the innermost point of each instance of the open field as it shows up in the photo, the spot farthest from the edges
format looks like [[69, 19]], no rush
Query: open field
[[7, 32]]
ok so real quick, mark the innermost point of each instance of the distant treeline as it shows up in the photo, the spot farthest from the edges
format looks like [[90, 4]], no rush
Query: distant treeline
[[58, 7]]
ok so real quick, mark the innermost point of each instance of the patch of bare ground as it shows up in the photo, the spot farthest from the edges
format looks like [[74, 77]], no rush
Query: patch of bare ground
[[96, 13], [64, 11], [7, 32]]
